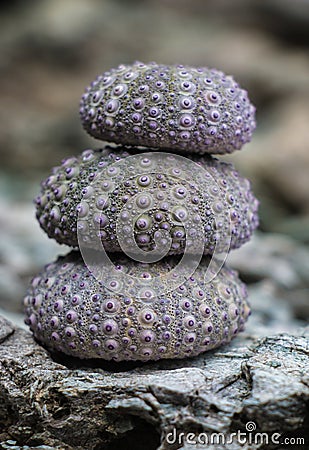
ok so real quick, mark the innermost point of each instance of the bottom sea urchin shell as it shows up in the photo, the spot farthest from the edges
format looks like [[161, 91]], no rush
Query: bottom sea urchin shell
[[68, 310]]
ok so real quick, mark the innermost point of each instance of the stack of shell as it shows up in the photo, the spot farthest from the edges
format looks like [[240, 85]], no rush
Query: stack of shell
[[150, 217]]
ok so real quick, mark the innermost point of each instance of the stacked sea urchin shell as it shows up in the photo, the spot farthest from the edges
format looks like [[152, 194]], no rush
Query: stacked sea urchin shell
[[162, 207]]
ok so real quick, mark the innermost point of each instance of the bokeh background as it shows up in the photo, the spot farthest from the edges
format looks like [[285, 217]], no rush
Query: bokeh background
[[51, 49]]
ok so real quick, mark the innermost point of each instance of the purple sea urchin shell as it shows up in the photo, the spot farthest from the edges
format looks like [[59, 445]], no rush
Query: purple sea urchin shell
[[183, 108], [102, 324], [117, 197]]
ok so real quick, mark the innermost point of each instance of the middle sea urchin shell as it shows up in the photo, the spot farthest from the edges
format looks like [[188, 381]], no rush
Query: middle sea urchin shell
[[101, 186], [68, 310]]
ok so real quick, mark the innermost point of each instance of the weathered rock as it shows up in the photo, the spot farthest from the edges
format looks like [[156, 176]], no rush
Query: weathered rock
[[282, 261], [67, 405], [273, 256], [23, 250]]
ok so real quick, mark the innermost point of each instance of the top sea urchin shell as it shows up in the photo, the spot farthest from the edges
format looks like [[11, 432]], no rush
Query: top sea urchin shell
[[175, 107]]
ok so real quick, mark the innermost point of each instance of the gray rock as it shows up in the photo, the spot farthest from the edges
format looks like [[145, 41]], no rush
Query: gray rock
[[273, 256], [23, 251], [258, 383], [281, 265]]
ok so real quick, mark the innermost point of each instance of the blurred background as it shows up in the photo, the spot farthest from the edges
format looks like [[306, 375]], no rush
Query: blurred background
[[49, 52]]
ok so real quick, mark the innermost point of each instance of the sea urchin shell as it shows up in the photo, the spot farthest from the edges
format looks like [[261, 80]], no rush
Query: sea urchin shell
[[172, 107], [144, 199], [68, 310]]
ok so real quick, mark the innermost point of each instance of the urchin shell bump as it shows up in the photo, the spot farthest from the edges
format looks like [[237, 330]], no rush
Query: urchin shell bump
[[181, 108], [145, 198], [69, 311]]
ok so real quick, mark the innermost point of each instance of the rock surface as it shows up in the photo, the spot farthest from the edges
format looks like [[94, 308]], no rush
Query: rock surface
[[282, 264], [23, 251], [253, 384]]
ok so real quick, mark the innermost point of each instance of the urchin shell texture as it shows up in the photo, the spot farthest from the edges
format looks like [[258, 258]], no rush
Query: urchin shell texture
[[176, 107], [143, 200], [69, 311]]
